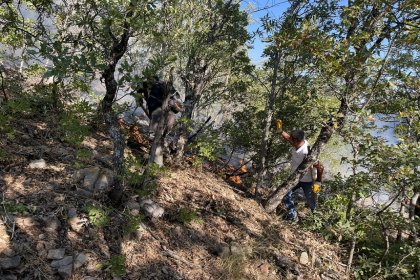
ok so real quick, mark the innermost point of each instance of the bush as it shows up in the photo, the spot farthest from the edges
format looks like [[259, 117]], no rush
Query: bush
[[132, 223], [116, 265], [187, 216], [73, 124], [97, 215]]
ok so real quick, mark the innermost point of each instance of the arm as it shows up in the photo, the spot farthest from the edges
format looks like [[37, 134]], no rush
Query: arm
[[320, 170], [286, 136]]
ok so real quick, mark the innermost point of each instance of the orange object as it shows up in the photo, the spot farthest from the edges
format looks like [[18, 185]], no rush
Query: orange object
[[316, 188], [279, 124]]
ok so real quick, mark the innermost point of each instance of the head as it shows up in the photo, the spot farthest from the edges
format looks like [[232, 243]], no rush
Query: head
[[297, 136]]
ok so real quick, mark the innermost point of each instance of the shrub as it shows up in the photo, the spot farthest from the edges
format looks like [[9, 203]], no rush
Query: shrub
[[187, 216], [132, 223], [116, 265], [97, 215]]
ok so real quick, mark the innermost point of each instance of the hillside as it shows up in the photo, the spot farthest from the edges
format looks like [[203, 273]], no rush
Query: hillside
[[50, 230]]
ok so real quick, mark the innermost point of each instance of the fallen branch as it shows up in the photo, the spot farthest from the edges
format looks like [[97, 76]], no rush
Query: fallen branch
[[172, 254]]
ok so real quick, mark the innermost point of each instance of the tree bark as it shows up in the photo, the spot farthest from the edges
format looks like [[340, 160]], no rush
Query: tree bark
[[351, 254], [156, 151], [268, 118], [119, 47]]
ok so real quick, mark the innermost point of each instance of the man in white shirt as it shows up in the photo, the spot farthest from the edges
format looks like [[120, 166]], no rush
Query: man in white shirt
[[301, 148]]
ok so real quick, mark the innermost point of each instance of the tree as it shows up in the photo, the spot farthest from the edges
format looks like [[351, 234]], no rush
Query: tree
[[351, 50]]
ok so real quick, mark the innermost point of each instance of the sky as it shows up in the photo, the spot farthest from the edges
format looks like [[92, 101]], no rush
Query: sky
[[257, 9]]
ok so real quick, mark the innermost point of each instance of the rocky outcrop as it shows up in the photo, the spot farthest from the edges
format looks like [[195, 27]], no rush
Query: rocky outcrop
[[94, 181]]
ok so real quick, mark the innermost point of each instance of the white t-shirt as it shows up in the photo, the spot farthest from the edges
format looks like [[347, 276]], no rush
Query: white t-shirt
[[297, 157]]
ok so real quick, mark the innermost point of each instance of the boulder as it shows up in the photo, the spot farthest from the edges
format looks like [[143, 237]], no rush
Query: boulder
[[77, 224], [63, 262], [104, 180], [304, 258], [80, 260], [56, 254], [8, 263], [38, 164], [65, 271], [91, 175], [151, 209]]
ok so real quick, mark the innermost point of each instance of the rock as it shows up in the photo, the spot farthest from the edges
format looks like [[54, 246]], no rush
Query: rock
[[285, 264], [104, 181], [304, 258], [133, 205], [65, 271], [38, 164], [219, 250], [329, 275], [83, 193], [27, 181], [80, 260], [135, 212], [77, 224], [151, 209], [41, 249], [52, 224], [56, 254], [4, 240], [63, 262], [8, 263], [91, 175]]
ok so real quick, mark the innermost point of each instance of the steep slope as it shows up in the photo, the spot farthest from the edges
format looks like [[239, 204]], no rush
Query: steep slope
[[52, 228]]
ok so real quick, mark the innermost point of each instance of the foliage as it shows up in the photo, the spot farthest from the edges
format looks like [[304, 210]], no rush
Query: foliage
[[116, 265], [73, 123], [131, 223], [142, 178], [8, 207], [208, 145], [187, 216], [98, 216]]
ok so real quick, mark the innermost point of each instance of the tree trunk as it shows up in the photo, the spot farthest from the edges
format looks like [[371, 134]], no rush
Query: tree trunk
[[324, 136], [351, 254], [352, 195], [413, 204], [119, 47], [156, 151], [183, 132], [268, 118]]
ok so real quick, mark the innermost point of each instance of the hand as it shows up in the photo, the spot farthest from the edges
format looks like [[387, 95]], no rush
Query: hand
[[279, 125], [316, 188]]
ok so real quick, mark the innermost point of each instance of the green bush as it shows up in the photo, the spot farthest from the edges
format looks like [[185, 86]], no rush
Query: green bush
[[98, 216], [132, 223], [73, 123], [12, 207], [187, 216], [116, 265]]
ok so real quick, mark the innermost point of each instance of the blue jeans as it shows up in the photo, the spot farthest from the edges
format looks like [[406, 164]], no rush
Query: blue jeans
[[288, 199]]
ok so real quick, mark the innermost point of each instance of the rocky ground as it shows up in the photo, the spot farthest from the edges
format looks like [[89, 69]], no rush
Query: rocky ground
[[190, 224]]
